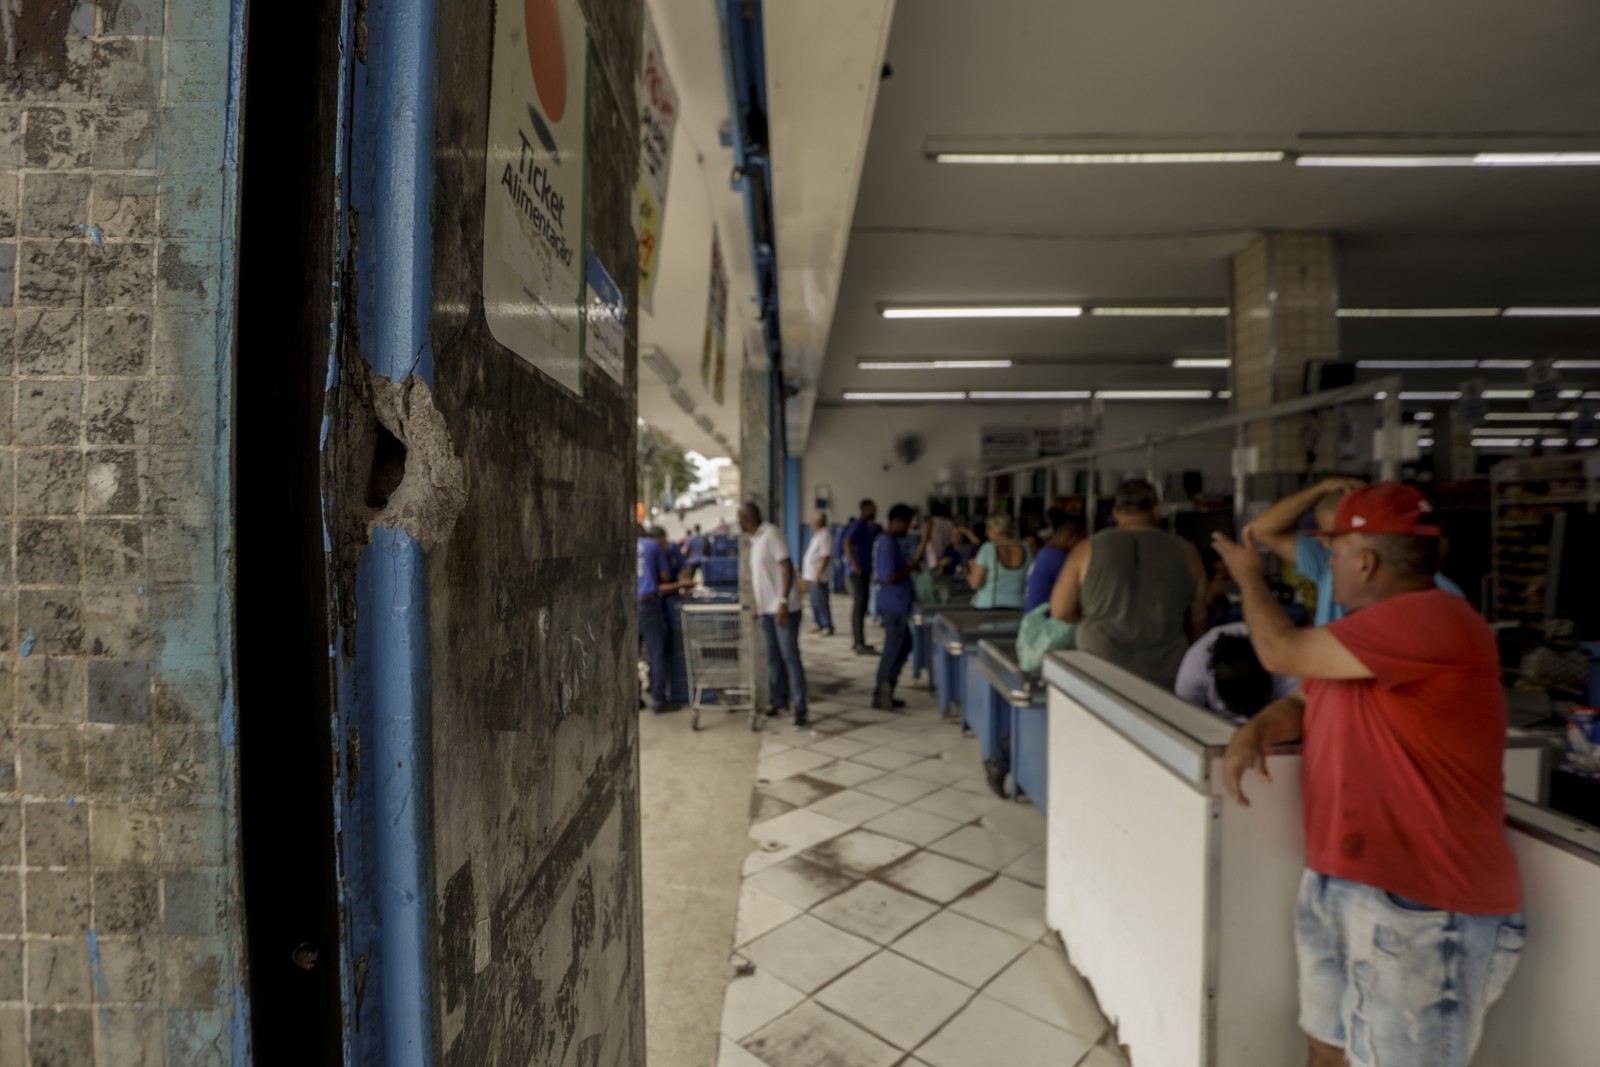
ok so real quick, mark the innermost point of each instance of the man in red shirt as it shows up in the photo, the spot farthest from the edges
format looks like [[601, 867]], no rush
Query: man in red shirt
[[1408, 923]]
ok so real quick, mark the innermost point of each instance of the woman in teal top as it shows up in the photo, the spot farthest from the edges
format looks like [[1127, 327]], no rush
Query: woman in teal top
[[998, 574]]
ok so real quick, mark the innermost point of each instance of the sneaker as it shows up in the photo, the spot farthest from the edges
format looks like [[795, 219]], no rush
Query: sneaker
[[866, 650], [995, 769], [883, 698], [774, 711], [802, 720], [662, 709]]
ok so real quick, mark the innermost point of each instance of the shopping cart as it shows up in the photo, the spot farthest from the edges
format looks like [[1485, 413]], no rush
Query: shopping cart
[[716, 648]]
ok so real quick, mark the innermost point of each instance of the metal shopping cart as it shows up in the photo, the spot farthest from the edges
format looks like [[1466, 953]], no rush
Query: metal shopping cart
[[716, 645]]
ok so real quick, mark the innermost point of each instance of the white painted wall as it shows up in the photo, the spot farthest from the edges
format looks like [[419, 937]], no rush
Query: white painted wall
[[851, 448]]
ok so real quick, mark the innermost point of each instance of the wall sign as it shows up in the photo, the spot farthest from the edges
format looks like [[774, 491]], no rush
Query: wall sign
[[533, 242], [606, 323], [658, 120]]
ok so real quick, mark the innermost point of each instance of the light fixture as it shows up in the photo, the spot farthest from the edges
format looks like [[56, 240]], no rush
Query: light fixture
[[1588, 442], [1224, 394], [1452, 159], [1417, 313], [1075, 158], [1504, 364], [1538, 159], [1499, 442], [1198, 364], [1552, 313], [1530, 416], [1423, 416], [934, 364], [1550, 442], [1032, 394], [873, 397], [1443, 394], [1578, 394], [1424, 442], [1013, 311], [1153, 394], [1578, 364], [1416, 364], [1501, 431], [1157, 312], [1508, 394]]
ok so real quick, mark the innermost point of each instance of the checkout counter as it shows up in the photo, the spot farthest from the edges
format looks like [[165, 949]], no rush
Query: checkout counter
[[956, 633], [952, 593], [1177, 904], [1018, 699]]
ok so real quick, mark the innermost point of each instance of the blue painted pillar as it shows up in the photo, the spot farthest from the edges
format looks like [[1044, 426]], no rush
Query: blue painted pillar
[[794, 516]]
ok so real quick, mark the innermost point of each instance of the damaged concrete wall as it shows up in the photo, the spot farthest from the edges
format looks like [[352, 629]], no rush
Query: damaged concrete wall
[[119, 918], [532, 626]]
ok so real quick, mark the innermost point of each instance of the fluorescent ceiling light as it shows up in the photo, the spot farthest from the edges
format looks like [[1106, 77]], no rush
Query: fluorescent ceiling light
[[1457, 159], [1499, 442], [1109, 157], [1552, 313], [1198, 364], [1416, 364], [1155, 312], [1575, 394], [1032, 394], [1225, 394], [1504, 364], [1154, 394], [1443, 394], [1578, 364], [1490, 431], [1530, 416], [1548, 441], [1385, 161], [1508, 394], [1588, 442], [934, 364], [1018, 311], [1424, 442], [905, 396], [1423, 416], [1418, 313], [1538, 159]]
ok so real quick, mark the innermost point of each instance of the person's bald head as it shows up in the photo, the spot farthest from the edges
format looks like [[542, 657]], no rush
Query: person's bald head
[[749, 516]]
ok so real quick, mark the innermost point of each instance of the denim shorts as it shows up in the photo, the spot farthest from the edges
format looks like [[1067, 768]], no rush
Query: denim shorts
[[1393, 982]]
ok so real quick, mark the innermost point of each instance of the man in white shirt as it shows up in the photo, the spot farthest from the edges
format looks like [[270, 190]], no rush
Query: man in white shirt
[[815, 570], [777, 605]]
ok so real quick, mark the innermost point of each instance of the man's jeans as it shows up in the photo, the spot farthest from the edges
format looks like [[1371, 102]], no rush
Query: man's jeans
[[653, 632], [786, 677], [821, 610], [896, 646], [677, 665], [860, 593]]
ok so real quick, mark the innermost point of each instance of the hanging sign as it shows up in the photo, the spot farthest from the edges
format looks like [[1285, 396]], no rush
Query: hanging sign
[[1546, 385], [658, 119], [533, 250], [1472, 407], [606, 320], [1007, 444], [714, 348]]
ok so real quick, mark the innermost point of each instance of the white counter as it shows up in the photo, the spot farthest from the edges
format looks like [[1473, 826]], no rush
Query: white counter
[[1177, 904]]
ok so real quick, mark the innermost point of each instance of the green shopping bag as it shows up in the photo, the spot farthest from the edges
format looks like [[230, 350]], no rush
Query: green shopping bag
[[1039, 634], [922, 588]]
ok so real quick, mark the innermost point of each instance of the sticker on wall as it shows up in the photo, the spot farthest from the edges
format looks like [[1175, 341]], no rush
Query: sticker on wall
[[714, 349], [606, 320], [658, 120], [533, 245]]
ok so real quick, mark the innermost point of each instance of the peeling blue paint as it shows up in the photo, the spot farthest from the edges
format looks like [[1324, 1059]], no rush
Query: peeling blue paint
[[29, 640], [97, 968], [230, 721], [96, 238]]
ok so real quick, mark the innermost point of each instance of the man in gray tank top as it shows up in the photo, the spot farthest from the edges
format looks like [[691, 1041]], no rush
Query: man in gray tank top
[[1137, 592]]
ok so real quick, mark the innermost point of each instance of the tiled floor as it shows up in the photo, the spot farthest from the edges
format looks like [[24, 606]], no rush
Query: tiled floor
[[892, 912]]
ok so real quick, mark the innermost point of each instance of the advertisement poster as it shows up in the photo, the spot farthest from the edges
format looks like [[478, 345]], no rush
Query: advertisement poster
[[714, 350], [658, 119], [606, 321], [533, 249], [1007, 444]]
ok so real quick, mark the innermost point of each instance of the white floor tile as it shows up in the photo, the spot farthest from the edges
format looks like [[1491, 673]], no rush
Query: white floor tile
[[868, 716], [853, 807], [953, 803], [1031, 867], [789, 763], [899, 788], [760, 912], [977, 846], [796, 829], [965, 949], [802, 882], [841, 747], [731, 1055], [798, 791], [874, 911], [887, 759], [976, 784], [989, 1032], [807, 953], [1009, 904], [934, 770], [860, 851], [1043, 984], [845, 773], [1104, 1057], [938, 878], [1017, 820], [875, 736], [753, 1001], [813, 1036], [774, 743], [916, 744], [896, 999], [909, 824]]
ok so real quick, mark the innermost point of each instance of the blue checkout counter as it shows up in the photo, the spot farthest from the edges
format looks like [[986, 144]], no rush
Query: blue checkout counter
[[956, 633], [1012, 698], [922, 641]]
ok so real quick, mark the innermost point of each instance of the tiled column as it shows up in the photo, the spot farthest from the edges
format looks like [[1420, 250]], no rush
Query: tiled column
[[1285, 295]]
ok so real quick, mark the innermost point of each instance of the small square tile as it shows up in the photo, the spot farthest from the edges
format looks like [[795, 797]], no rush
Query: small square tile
[[980, 847], [119, 691], [909, 824], [987, 1031], [887, 759], [937, 878], [1008, 904], [790, 763], [127, 900], [50, 342], [844, 773], [58, 972], [1043, 984], [51, 761], [54, 204], [61, 1035], [50, 482], [802, 882], [961, 806], [57, 834], [753, 1001], [117, 342], [732, 1055], [941, 771], [850, 806], [58, 902], [860, 851], [1022, 821], [894, 998], [131, 967], [965, 949], [812, 1036], [875, 911], [50, 689], [760, 913], [49, 552], [11, 969], [899, 788], [1031, 867], [840, 747], [195, 902], [134, 1033], [808, 953]]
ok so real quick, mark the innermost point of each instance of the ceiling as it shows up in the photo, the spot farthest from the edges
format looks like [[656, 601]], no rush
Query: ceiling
[[1145, 75]]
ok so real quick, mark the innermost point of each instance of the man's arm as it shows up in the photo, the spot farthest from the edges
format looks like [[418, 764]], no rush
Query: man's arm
[[788, 587], [1275, 526], [850, 551], [1197, 603], [1279, 723], [1069, 583], [1282, 647], [905, 572]]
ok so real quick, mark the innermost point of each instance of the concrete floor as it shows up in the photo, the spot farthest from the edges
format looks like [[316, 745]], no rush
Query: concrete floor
[[695, 813]]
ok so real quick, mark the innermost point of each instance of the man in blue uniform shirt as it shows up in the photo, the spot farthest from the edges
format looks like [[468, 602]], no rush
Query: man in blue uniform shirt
[[858, 537], [654, 578], [894, 604]]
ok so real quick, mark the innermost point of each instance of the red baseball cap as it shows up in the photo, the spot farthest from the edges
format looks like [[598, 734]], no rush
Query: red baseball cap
[[1385, 508]]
